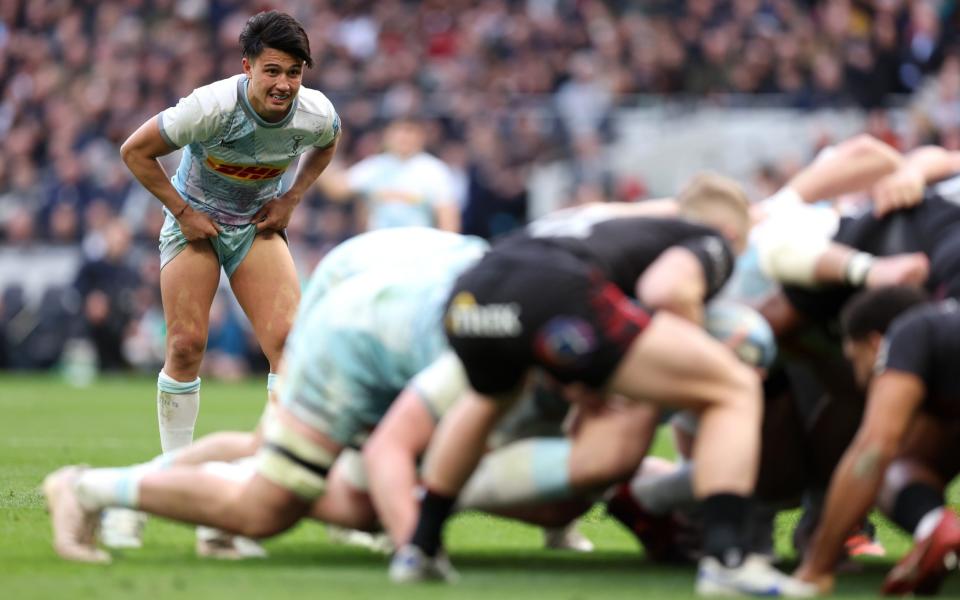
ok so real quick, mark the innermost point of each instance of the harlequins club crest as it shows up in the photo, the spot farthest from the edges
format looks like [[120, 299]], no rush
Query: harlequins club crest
[[297, 140]]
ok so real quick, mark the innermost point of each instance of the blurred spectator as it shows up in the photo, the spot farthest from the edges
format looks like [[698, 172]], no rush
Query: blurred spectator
[[937, 105], [144, 340], [496, 199], [20, 227], [585, 99], [107, 285], [403, 186]]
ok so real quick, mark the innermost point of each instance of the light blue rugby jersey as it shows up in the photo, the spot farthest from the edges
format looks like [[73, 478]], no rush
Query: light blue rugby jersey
[[370, 335], [402, 192], [233, 160], [389, 249]]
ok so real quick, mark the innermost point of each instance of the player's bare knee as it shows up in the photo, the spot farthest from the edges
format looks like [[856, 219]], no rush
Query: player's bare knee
[[740, 390], [185, 348]]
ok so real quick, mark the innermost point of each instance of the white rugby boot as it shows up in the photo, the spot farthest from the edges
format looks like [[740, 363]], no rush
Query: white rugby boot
[[122, 528], [74, 526], [411, 565], [566, 538], [755, 576]]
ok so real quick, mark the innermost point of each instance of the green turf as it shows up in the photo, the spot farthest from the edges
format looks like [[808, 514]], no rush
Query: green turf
[[45, 424]]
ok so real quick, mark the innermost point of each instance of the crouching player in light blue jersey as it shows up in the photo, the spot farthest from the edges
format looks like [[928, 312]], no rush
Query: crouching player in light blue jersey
[[352, 350], [225, 206], [386, 249]]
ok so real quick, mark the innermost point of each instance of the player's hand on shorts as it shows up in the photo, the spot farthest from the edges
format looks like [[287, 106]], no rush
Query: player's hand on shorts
[[897, 191], [275, 215], [196, 225]]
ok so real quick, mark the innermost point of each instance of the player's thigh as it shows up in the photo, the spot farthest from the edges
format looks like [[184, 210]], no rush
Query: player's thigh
[[188, 283], [265, 507], [268, 289], [610, 444], [673, 362]]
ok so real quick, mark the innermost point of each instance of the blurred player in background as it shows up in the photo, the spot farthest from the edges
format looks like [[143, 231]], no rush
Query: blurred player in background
[[225, 206], [402, 186]]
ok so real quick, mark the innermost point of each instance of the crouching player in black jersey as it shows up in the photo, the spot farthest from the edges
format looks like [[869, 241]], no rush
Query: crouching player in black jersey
[[904, 351], [557, 296]]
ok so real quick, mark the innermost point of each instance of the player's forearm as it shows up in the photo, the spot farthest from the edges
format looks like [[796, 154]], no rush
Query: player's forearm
[[392, 477], [841, 264], [933, 162], [312, 164], [140, 153], [807, 259], [852, 492], [151, 175], [853, 166]]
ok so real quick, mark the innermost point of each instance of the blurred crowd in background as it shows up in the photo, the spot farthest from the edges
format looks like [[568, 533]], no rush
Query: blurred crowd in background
[[503, 85]]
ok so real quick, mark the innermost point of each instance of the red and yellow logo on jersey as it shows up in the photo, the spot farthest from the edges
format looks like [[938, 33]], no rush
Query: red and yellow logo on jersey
[[245, 172]]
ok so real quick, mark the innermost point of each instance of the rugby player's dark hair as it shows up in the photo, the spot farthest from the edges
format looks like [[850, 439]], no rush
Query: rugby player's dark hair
[[872, 311], [277, 30]]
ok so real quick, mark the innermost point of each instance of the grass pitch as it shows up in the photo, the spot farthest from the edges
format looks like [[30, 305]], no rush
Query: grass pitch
[[46, 424]]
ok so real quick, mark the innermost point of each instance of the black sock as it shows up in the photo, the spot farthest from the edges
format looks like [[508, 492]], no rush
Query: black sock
[[434, 510], [725, 528], [913, 503]]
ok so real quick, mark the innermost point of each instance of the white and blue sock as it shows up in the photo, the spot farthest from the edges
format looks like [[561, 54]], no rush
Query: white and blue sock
[[178, 403], [522, 472]]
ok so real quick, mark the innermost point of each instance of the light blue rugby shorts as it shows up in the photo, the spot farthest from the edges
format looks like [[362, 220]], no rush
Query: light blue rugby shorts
[[231, 246]]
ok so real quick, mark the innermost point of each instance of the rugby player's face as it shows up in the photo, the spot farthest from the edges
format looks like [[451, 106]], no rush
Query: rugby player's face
[[862, 355], [404, 139], [274, 82]]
